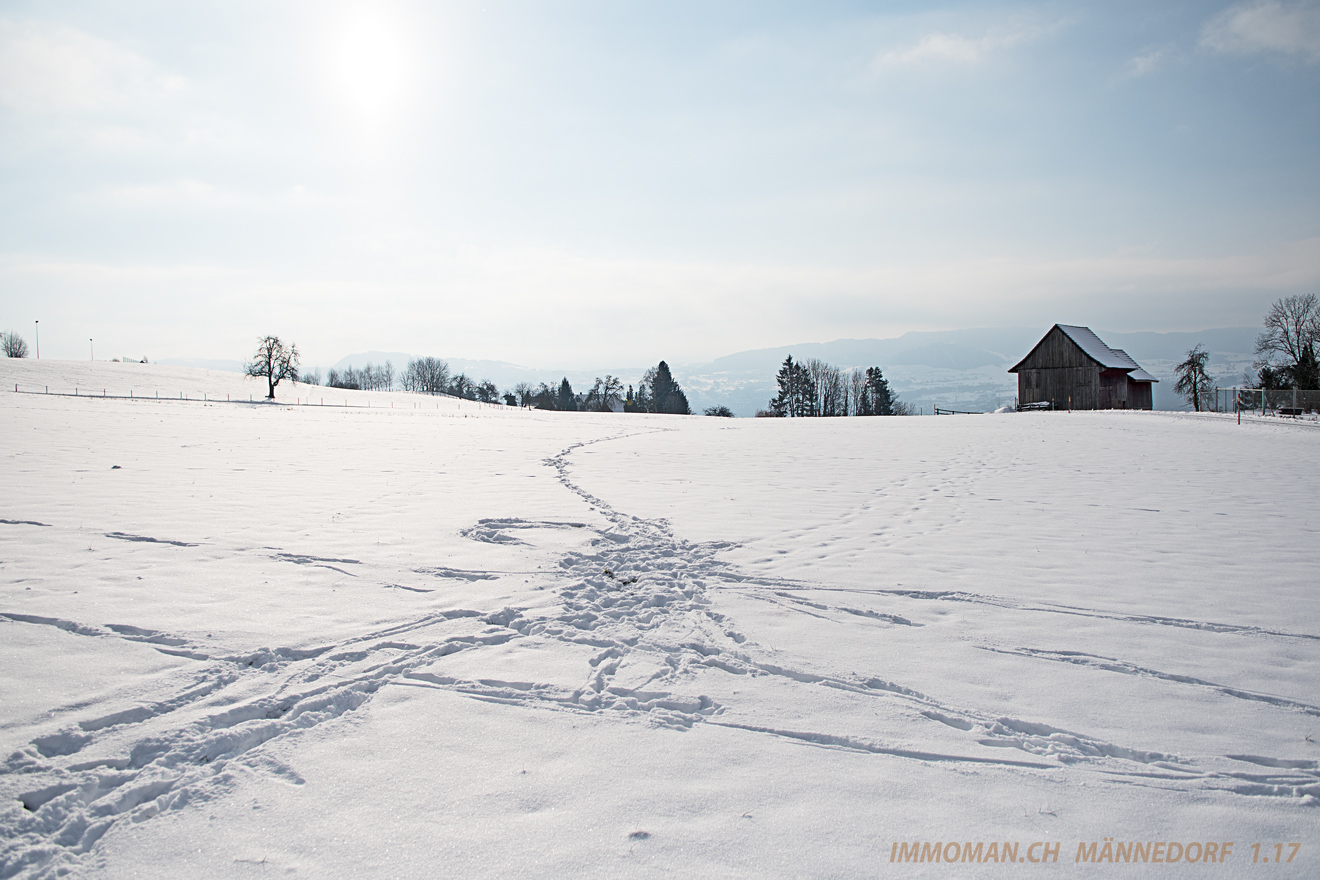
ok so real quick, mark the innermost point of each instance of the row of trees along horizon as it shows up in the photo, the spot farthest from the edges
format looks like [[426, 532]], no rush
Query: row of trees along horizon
[[1285, 359], [658, 391], [809, 388]]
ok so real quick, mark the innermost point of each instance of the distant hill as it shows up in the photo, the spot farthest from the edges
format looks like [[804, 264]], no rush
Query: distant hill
[[205, 364], [1174, 346], [953, 349]]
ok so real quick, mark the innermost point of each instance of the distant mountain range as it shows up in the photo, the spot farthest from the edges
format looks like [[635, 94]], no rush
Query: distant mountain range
[[955, 369]]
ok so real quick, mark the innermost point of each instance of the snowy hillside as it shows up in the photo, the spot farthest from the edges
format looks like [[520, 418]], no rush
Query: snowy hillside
[[429, 638]]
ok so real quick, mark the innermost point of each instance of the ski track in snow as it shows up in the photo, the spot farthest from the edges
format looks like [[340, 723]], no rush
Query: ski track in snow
[[638, 598]]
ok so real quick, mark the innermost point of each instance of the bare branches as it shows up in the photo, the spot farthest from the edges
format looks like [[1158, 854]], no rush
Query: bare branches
[[1293, 324], [13, 345], [426, 375], [274, 362], [605, 395], [1193, 380], [369, 378], [1285, 352]]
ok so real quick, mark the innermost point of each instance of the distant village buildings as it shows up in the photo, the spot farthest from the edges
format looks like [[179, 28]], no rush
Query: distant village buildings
[[1070, 368]]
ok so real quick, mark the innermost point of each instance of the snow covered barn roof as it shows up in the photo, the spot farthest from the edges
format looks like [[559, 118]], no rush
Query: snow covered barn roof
[[1091, 345], [1136, 373], [1102, 354]]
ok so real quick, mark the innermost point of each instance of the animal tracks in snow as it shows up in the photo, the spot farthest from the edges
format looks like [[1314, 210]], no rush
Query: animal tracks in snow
[[632, 633], [1110, 664], [146, 540], [1051, 608]]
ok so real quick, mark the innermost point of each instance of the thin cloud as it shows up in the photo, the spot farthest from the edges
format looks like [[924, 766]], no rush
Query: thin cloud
[[955, 49], [194, 193], [1266, 26], [52, 68], [1148, 62]]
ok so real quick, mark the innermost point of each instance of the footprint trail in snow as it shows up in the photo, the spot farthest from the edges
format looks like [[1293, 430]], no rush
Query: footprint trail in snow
[[634, 605]]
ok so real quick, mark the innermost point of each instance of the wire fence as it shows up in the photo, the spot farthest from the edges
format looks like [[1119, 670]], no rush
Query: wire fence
[[257, 399], [1289, 402]]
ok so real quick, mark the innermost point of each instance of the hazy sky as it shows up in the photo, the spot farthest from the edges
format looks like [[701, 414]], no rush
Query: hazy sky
[[609, 183]]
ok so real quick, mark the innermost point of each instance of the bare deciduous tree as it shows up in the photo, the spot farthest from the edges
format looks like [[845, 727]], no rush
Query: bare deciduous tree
[[1291, 327], [274, 362], [1193, 380], [462, 386], [545, 397], [426, 375], [369, 378], [14, 346], [857, 394], [604, 395], [829, 389]]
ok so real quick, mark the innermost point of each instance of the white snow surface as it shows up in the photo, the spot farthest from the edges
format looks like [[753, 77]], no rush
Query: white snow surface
[[433, 639]]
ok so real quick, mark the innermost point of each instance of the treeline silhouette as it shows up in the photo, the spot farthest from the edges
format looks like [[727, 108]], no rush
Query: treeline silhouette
[[809, 388], [658, 391], [813, 388], [425, 375]]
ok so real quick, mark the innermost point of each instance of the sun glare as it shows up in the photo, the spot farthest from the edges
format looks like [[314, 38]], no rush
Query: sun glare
[[369, 64]]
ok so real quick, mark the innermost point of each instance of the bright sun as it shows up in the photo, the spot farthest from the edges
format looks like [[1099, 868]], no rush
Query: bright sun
[[369, 63]]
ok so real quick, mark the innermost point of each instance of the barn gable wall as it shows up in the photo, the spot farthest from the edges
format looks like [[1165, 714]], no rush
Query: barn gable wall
[[1065, 388], [1056, 351], [1057, 371]]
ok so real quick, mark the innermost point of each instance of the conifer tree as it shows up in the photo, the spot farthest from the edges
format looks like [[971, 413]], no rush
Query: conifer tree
[[567, 401], [659, 392], [784, 403], [1306, 372], [668, 396], [878, 396], [643, 402], [662, 386]]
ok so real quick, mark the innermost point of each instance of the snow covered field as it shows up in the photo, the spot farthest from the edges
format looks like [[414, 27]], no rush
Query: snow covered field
[[435, 639]]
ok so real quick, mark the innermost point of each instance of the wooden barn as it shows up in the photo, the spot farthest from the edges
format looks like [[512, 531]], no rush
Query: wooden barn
[[1070, 368]]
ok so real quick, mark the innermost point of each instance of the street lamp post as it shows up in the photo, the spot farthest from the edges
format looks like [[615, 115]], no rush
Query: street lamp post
[[91, 346], [37, 333]]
